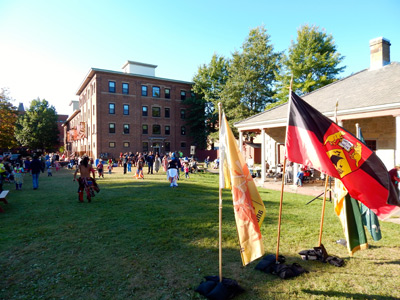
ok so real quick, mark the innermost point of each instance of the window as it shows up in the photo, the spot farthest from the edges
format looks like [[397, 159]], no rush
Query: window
[[111, 86], [125, 88], [167, 93], [126, 109], [183, 130], [145, 146], [156, 129], [166, 112], [167, 130], [144, 111], [94, 129], [93, 109], [111, 144], [167, 146], [183, 95], [111, 108], [126, 128], [183, 113], [145, 129], [111, 128], [144, 90], [183, 145], [156, 92], [126, 144], [156, 112]]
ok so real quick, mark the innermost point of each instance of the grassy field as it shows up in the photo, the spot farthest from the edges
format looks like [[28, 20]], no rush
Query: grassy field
[[141, 239]]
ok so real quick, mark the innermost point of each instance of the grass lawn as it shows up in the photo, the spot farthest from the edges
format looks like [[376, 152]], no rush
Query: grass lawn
[[141, 239]]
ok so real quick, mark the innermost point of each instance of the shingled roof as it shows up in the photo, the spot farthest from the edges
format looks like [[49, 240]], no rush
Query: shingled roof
[[365, 91]]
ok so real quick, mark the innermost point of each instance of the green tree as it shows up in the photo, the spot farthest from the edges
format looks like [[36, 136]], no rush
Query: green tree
[[250, 85], [37, 128], [8, 117], [313, 61], [209, 83], [195, 118]]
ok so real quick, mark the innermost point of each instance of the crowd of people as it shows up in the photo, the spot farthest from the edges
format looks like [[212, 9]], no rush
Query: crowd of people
[[13, 171], [173, 163]]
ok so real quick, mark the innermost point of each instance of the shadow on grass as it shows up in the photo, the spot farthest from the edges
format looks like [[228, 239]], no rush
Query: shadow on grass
[[394, 262], [348, 295]]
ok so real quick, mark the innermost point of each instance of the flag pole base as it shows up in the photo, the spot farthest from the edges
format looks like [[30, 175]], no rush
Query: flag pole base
[[213, 288]]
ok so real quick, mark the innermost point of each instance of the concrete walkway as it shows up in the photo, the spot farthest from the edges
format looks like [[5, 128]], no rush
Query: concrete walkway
[[312, 189]]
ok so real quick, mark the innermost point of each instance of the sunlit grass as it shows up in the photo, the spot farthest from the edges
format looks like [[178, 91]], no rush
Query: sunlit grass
[[141, 239]]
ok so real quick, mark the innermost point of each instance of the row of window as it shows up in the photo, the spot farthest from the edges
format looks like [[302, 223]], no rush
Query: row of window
[[156, 129], [156, 91], [145, 146], [155, 111]]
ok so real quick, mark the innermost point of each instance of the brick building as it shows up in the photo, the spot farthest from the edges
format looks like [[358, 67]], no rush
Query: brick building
[[60, 121], [128, 111]]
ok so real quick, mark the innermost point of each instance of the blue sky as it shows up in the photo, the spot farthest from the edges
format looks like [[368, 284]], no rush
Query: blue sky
[[47, 47]]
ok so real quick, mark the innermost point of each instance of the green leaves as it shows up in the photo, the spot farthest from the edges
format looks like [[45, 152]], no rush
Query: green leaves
[[313, 61], [8, 117], [37, 128]]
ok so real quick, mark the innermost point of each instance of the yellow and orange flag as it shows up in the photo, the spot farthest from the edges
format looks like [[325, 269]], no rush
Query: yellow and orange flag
[[248, 206]]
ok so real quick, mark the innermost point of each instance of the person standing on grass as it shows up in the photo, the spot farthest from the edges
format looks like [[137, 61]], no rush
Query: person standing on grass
[[49, 173], [394, 177], [109, 167], [86, 183], [100, 169], [157, 163], [125, 162], [18, 176], [173, 167], [300, 177], [150, 161], [186, 169], [2, 174], [165, 162], [36, 168], [129, 165], [140, 164]]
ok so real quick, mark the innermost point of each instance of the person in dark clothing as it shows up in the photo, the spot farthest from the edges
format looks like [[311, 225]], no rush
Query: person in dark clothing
[[150, 160], [394, 177], [36, 168], [125, 162]]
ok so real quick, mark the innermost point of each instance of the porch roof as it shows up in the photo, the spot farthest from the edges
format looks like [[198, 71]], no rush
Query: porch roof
[[368, 92]]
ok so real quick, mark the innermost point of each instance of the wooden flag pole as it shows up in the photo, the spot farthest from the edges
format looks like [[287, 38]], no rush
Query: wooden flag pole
[[326, 189], [280, 210], [220, 205], [283, 174], [323, 211]]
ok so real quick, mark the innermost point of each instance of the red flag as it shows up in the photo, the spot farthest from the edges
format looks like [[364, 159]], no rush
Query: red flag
[[314, 140]]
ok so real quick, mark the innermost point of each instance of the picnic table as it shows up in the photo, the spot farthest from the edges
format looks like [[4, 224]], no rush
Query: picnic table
[[3, 196]]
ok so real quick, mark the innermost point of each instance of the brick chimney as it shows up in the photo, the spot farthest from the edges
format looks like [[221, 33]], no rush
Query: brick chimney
[[380, 53]]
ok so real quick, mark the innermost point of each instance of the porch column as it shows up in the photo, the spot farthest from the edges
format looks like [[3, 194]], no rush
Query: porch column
[[295, 170], [263, 168], [241, 143], [397, 151]]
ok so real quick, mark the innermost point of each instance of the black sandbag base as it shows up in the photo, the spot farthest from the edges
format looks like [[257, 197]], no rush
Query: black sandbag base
[[269, 265], [213, 289], [320, 254]]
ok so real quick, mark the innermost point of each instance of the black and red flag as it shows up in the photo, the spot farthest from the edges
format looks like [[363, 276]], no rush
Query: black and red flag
[[315, 141]]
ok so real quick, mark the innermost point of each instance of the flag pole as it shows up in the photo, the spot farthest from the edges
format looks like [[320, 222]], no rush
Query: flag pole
[[220, 203], [326, 188], [323, 211], [283, 178]]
